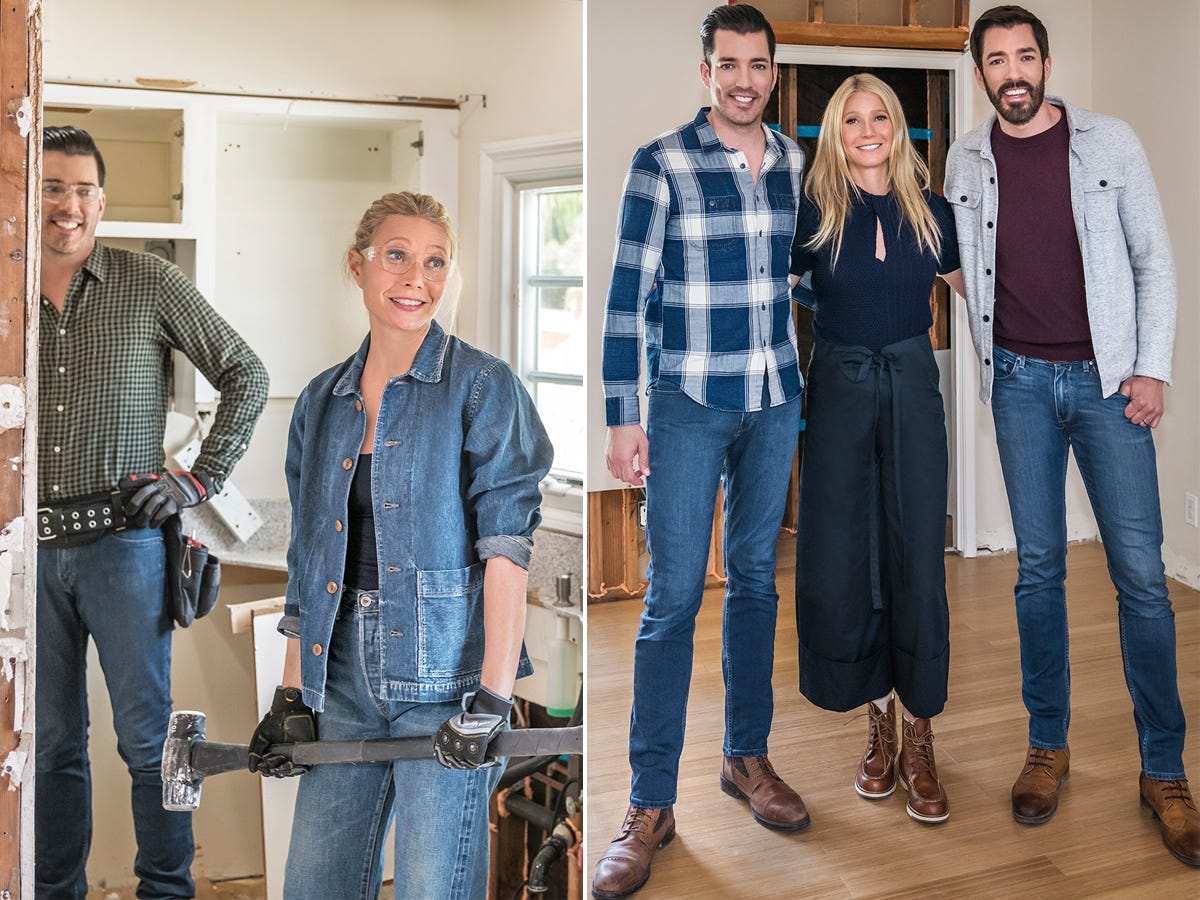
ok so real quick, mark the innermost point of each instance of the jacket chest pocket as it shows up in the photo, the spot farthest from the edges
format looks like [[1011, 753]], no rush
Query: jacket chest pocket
[[1101, 201], [450, 621], [965, 202]]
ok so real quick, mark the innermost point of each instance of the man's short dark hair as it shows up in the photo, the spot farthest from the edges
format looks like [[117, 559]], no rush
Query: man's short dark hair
[[1007, 17], [74, 142], [740, 19]]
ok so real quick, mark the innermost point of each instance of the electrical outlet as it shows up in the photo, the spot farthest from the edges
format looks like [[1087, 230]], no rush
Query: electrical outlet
[[1190, 512], [642, 514]]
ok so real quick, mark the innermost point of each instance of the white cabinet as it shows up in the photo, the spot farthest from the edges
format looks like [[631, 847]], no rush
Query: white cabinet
[[257, 199]]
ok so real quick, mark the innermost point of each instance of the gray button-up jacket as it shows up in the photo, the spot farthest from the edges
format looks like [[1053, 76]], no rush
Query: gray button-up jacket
[[1127, 260]]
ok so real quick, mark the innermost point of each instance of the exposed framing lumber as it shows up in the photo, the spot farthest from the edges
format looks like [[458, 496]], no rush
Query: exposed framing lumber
[[20, 214]]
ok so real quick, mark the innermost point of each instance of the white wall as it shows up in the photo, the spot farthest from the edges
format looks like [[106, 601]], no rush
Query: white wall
[[524, 54], [643, 79], [1160, 97]]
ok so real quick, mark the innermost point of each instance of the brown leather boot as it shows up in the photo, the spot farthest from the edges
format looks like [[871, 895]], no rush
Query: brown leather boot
[[1171, 803], [876, 776], [625, 865], [772, 803], [918, 773], [1035, 792]]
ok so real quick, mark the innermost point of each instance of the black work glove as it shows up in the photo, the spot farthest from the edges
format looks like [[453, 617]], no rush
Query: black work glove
[[150, 498], [462, 741], [289, 721]]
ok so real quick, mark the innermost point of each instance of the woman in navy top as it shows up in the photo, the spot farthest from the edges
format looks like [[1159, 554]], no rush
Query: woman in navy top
[[871, 606], [413, 472]]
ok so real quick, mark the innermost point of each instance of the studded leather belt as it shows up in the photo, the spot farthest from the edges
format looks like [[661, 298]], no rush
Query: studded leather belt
[[81, 519]]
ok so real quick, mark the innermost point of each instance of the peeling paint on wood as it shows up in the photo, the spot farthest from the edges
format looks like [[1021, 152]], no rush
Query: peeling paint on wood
[[21, 112], [12, 406], [14, 767]]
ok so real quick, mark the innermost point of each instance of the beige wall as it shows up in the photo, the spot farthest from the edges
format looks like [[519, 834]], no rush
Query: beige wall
[[1160, 98], [524, 54]]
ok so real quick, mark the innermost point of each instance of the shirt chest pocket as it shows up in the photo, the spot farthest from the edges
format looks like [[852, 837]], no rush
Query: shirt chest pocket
[[965, 203], [713, 226], [450, 621], [1101, 201]]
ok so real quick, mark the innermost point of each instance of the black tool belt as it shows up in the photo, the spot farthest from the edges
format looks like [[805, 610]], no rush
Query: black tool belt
[[82, 519]]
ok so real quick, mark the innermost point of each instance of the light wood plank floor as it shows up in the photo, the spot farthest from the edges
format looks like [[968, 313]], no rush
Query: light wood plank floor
[[1100, 843]]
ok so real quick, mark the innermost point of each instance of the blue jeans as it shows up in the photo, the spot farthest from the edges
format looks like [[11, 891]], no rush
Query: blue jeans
[[343, 811], [1042, 410], [691, 448], [112, 590]]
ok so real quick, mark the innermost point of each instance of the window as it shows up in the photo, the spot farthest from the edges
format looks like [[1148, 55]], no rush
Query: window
[[551, 345]]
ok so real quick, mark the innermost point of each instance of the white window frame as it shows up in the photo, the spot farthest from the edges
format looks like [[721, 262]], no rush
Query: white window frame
[[505, 169]]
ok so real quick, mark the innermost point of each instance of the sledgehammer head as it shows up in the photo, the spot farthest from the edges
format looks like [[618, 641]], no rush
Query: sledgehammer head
[[181, 782]]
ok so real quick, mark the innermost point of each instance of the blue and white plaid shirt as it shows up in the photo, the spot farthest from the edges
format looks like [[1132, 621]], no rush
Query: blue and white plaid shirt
[[700, 274]]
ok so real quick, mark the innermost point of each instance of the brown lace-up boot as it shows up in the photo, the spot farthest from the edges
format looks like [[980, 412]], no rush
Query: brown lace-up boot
[[625, 865], [1035, 792], [1171, 803], [918, 774], [876, 776]]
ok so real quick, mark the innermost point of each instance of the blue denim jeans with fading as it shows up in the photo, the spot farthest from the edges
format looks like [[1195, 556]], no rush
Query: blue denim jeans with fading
[[1043, 411], [113, 591], [692, 448], [343, 811]]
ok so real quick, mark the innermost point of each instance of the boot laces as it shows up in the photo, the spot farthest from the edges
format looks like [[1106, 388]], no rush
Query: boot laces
[[1177, 790], [1040, 758], [764, 767], [636, 821], [881, 735], [920, 749]]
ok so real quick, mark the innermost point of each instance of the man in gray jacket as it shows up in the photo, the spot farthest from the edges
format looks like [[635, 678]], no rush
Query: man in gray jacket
[[1071, 298]]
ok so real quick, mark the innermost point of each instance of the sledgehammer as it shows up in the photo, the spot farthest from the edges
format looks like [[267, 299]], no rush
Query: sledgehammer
[[188, 757]]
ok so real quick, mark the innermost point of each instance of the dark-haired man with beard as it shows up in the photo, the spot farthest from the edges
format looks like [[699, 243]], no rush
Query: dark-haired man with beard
[[1071, 301]]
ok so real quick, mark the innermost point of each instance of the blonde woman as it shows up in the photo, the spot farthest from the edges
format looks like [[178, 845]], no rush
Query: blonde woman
[[413, 472], [870, 582]]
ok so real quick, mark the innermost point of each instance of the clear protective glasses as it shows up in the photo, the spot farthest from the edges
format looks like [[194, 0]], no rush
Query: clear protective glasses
[[398, 261], [56, 192]]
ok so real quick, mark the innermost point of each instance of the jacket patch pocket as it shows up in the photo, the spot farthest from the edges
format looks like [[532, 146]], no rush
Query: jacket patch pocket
[[1101, 198], [965, 204], [450, 621]]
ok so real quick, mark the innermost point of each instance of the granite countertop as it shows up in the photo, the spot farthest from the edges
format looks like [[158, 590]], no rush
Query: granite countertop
[[265, 549]]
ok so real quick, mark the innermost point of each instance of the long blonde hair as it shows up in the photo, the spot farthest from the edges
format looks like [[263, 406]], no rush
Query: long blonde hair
[[831, 188]]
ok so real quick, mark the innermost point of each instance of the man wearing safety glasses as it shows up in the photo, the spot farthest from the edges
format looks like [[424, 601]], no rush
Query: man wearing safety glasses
[[109, 321]]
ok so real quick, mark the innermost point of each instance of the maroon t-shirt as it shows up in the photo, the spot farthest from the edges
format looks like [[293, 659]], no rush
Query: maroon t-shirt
[[1041, 307]]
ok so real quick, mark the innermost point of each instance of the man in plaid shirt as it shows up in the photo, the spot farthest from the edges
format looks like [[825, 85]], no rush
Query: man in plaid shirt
[[109, 321], [701, 277]]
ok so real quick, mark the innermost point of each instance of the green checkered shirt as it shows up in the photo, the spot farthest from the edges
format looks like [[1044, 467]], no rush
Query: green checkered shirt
[[104, 375]]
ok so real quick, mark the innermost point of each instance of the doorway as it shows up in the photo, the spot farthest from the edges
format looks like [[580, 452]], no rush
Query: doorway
[[933, 88]]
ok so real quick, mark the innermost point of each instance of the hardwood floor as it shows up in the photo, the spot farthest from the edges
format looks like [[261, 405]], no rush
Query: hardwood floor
[[1101, 843]]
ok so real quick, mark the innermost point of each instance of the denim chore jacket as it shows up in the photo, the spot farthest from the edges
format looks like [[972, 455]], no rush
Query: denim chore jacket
[[1127, 264], [458, 454]]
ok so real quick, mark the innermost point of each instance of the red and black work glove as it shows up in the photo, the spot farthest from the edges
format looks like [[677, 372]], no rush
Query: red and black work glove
[[150, 498], [289, 721], [462, 741]]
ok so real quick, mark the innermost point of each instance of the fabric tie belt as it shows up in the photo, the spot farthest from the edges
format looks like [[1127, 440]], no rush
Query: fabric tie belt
[[83, 517], [858, 364]]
